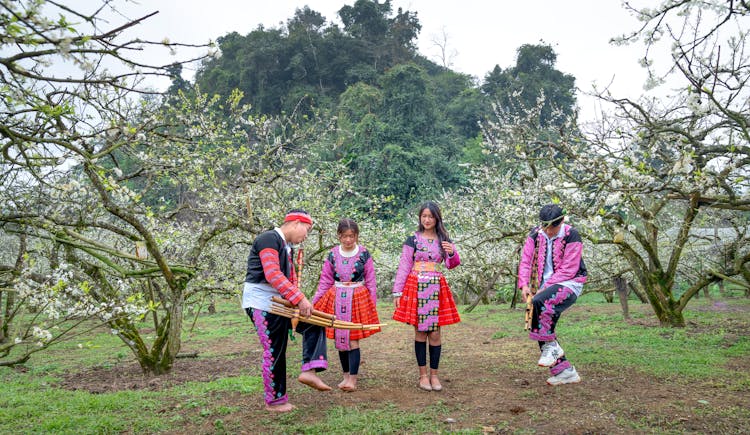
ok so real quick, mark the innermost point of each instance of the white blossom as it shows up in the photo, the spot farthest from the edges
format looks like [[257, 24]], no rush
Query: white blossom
[[42, 334], [64, 46], [612, 199]]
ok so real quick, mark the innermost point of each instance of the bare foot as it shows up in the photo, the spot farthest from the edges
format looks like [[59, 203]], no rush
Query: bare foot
[[312, 380], [348, 387], [284, 407], [344, 382]]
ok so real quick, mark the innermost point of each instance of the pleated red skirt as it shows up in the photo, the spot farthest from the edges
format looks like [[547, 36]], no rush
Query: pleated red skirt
[[406, 312], [363, 311]]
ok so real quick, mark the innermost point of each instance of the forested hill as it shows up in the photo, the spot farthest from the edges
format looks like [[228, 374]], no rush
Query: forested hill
[[404, 122]]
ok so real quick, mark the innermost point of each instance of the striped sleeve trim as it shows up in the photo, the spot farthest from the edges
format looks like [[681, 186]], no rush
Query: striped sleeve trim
[[269, 258]]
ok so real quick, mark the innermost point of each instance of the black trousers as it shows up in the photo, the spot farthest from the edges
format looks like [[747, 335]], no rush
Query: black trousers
[[273, 332]]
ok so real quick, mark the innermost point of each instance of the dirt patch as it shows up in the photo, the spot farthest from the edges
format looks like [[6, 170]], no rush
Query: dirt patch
[[492, 385], [718, 306], [99, 380]]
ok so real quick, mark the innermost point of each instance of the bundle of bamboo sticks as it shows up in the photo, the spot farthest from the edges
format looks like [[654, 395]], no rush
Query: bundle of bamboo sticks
[[282, 307]]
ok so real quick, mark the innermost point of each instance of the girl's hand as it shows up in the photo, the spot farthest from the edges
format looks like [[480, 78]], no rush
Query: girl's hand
[[448, 247], [395, 301]]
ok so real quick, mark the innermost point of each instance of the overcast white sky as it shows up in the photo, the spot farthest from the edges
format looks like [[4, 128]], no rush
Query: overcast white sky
[[481, 33]]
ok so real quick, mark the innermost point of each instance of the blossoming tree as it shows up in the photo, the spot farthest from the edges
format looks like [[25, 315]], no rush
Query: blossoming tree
[[654, 173], [117, 204]]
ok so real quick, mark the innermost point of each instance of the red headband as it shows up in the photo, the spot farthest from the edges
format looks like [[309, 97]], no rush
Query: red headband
[[296, 216]]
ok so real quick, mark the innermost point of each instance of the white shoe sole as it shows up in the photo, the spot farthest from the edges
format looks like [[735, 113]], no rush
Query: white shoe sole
[[576, 381]]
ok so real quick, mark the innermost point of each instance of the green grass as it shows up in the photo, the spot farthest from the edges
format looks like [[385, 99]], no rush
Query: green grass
[[662, 352], [103, 349], [346, 420], [240, 384], [96, 348], [30, 402]]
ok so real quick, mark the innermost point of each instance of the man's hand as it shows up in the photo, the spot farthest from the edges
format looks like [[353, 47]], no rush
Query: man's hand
[[305, 308], [525, 292]]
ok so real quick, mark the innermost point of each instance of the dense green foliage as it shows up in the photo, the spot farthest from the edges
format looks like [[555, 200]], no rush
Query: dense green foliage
[[305, 60], [406, 124], [519, 88]]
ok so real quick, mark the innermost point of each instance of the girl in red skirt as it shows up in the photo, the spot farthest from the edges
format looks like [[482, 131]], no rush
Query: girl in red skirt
[[422, 296], [348, 290]]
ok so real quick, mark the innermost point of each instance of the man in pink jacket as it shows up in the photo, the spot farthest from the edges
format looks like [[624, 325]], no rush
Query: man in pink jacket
[[560, 275]]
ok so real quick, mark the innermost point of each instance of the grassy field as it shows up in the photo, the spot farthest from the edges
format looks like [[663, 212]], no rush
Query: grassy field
[[637, 378]]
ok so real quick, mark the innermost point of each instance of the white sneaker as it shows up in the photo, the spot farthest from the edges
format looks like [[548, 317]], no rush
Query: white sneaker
[[551, 351], [567, 376]]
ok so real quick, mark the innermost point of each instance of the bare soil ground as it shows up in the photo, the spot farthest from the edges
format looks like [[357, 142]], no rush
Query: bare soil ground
[[490, 385]]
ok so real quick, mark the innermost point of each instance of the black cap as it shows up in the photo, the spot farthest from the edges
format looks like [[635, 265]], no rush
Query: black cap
[[551, 215]]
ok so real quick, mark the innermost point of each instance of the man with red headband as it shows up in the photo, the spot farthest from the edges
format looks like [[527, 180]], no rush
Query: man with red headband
[[270, 272]]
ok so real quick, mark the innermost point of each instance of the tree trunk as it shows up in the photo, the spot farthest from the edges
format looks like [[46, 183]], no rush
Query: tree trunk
[[513, 299], [3, 328], [489, 285], [10, 297], [666, 309], [166, 346], [621, 286], [638, 293], [672, 318], [174, 338], [657, 286]]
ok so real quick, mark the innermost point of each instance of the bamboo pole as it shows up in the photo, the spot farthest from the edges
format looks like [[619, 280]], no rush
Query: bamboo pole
[[315, 320], [288, 304], [286, 309], [312, 320]]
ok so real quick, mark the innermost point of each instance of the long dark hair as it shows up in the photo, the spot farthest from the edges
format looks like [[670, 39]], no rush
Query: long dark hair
[[347, 224], [439, 227]]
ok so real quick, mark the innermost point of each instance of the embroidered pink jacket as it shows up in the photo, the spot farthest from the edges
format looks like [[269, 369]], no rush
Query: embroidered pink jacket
[[567, 261]]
